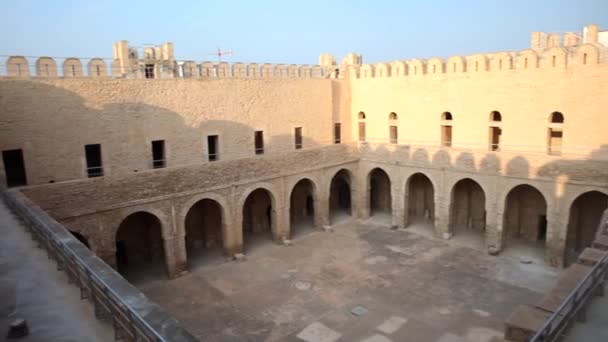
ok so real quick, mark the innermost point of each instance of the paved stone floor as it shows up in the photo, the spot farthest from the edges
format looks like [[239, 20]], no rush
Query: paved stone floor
[[363, 282], [33, 289]]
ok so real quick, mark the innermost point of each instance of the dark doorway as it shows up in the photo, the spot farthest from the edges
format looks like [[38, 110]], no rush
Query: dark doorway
[[14, 168], [204, 239], [585, 216], [258, 217], [467, 207], [301, 208], [421, 199], [340, 196], [140, 252], [379, 192]]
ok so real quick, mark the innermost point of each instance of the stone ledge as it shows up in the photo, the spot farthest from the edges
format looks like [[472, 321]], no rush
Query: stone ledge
[[565, 284], [524, 322], [590, 256]]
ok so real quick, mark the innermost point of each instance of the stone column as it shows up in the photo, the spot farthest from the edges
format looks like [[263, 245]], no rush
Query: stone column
[[233, 232], [398, 208], [442, 214], [360, 195], [493, 234], [321, 210], [556, 238], [281, 228], [174, 258]]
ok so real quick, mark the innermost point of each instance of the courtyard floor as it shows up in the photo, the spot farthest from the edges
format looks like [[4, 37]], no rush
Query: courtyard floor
[[361, 282]]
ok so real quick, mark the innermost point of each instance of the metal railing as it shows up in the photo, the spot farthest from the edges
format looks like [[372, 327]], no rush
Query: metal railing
[[133, 316], [574, 305]]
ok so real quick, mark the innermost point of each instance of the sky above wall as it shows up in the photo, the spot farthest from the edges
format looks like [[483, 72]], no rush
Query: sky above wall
[[289, 31]]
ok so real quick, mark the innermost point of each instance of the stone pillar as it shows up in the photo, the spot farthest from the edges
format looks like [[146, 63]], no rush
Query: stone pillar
[[281, 228], [493, 228], [321, 210], [361, 197], [398, 208], [233, 234], [442, 214], [175, 256], [556, 238]]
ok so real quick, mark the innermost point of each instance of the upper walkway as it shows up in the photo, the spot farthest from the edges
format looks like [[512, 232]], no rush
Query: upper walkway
[[33, 289]]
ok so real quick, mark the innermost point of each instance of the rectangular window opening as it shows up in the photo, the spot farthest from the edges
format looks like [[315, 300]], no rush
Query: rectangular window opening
[[212, 147], [94, 162], [149, 70], [337, 133], [555, 142], [259, 142], [14, 168], [394, 136], [298, 137], [158, 154], [446, 136], [495, 133], [362, 131]]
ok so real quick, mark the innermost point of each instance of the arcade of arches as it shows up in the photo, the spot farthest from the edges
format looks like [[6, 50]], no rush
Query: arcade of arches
[[209, 233]]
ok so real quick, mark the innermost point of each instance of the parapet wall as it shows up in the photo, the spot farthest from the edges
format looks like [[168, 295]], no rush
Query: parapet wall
[[550, 58], [48, 67]]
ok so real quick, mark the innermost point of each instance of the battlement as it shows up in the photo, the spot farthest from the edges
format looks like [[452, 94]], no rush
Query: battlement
[[71, 67], [556, 57]]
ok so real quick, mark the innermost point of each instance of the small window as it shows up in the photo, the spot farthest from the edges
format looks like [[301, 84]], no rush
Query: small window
[[361, 116], [476, 66], [555, 141], [495, 116], [362, 131], [495, 133], [584, 58], [337, 133], [74, 70], [500, 64], [553, 60], [298, 137], [149, 70], [98, 69], [158, 154], [446, 136], [392, 116], [212, 147], [525, 63], [94, 162], [259, 142], [14, 168], [446, 116], [394, 135], [557, 117]]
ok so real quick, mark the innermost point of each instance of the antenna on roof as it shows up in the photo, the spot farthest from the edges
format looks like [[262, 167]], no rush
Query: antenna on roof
[[219, 53]]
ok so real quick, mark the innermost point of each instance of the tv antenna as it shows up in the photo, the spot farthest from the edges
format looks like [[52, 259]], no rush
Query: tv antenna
[[219, 53]]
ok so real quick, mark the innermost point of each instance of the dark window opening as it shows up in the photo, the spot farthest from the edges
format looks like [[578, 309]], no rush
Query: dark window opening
[[298, 137], [555, 142], [446, 136], [14, 168], [557, 117], [542, 228], [394, 137], [158, 154], [212, 147], [495, 133], [94, 163], [98, 69], [495, 116], [259, 142], [361, 131], [337, 133], [446, 116], [149, 70]]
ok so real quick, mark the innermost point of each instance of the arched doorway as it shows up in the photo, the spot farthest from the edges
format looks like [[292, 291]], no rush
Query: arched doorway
[[379, 192], [585, 215], [81, 238], [203, 225], [258, 218], [139, 247], [302, 208], [467, 208], [340, 205], [525, 220], [421, 200]]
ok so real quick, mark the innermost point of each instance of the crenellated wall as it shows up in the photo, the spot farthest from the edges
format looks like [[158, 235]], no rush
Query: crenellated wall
[[48, 67]]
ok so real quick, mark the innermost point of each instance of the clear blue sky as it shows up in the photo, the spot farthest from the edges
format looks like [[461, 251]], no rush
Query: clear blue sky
[[289, 31]]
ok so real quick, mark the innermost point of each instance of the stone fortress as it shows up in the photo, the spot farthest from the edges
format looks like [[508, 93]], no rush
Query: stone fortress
[[154, 161]]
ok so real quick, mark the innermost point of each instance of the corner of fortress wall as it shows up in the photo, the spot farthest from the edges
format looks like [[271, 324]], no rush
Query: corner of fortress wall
[[548, 58], [47, 67]]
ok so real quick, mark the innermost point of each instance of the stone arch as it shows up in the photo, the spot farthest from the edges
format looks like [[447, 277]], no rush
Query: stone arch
[[46, 67], [584, 219], [477, 63], [554, 57], [467, 207], [420, 200], [253, 70], [303, 206], [456, 64], [139, 246], [366, 71], [72, 67], [501, 61], [416, 67], [398, 69], [17, 66], [435, 66], [204, 229], [379, 187], [259, 215], [525, 214], [527, 59], [97, 68], [340, 195], [586, 54]]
